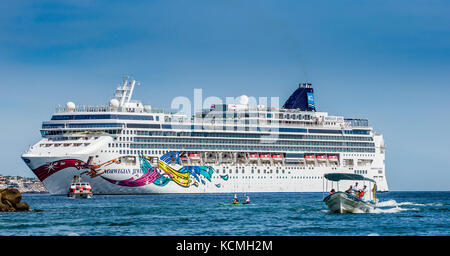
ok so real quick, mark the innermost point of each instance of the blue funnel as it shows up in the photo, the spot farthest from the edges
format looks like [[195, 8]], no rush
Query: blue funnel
[[302, 98]]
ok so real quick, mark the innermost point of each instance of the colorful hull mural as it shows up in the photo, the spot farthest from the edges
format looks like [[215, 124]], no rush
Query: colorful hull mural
[[46, 170], [159, 175]]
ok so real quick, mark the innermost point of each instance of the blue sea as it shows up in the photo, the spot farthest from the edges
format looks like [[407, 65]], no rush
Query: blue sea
[[271, 214]]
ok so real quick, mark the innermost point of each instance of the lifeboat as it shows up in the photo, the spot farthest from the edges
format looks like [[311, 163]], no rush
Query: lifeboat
[[183, 158], [333, 158], [277, 157], [321, 157], [252, 156], [194, 156], [265, 156], [310, 157], [79, 189]]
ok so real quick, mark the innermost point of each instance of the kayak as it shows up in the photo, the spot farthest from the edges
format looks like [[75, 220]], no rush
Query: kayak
[[232, 203]]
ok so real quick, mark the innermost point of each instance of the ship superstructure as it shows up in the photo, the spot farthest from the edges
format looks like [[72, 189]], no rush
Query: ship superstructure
[[127, 147]]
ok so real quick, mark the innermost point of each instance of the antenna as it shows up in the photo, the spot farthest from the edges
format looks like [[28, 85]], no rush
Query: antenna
[[133, 82], [124, 91]]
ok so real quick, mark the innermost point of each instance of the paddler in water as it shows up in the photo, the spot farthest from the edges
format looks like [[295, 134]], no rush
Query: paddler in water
[[247, 200], [235, 201]]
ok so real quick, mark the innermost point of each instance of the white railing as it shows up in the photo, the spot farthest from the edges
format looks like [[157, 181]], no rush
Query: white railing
[[60, 109]]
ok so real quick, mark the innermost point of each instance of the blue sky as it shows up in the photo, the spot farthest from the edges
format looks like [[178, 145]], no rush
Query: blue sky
[[388, 61]]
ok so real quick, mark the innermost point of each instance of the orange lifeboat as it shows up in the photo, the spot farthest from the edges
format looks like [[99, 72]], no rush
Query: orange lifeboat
[[277, 157], [333, 157], [252, 156], [321, 157], [310, 157], [194, 155]]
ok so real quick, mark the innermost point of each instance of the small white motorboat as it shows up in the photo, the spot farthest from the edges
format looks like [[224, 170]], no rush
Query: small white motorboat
[[350, 201], [79, 189]]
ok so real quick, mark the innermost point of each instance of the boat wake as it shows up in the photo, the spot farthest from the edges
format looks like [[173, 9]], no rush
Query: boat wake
[[393, 203], [392, 206]]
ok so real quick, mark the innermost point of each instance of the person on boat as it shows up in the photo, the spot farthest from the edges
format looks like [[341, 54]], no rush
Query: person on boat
[[349, 189], [332, 191], [355, 188], [362, 192], [247, 200], [235, 201]]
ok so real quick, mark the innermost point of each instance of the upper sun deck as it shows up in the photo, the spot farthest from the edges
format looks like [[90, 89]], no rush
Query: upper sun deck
[[121, 103], [109, 109], [243, 112]]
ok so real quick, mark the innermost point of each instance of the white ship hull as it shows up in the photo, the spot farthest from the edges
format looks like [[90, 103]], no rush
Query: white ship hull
[[287, 179]]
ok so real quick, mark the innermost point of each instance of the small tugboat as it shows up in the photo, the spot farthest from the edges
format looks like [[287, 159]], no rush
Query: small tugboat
[[352, 200], [79, 189]]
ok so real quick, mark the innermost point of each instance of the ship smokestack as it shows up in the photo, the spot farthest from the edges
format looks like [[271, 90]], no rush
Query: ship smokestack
[[302, 98]]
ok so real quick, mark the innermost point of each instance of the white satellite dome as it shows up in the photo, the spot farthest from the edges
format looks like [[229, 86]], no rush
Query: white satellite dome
[[70, 106], [114, 103], [243, 100], [147, 108]]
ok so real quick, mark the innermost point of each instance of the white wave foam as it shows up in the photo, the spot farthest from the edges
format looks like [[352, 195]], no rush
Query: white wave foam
[[387, 203], [434, 204], [373, 234], [410, 203], [393, 203], [390, 210], [392, 206]]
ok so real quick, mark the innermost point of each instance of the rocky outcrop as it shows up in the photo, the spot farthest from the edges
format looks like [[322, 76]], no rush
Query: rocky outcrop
[[10, 201]]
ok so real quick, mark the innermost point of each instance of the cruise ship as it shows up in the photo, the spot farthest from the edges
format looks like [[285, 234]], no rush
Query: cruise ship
[[127, 147]]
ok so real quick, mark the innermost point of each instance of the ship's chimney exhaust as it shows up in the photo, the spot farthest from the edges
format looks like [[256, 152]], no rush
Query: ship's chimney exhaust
[[302, 98]]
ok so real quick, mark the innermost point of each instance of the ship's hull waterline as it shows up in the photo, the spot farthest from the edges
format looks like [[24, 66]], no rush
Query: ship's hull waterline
[[223, 179]]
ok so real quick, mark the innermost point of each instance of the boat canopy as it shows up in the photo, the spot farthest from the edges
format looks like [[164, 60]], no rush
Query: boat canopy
[[345, 176]]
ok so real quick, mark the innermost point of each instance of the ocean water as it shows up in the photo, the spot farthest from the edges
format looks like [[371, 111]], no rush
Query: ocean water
[[271, 214]]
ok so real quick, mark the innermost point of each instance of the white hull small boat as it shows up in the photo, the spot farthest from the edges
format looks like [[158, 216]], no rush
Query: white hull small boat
[[80, 195], [347, 202], [79, 189], [341, 202]]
